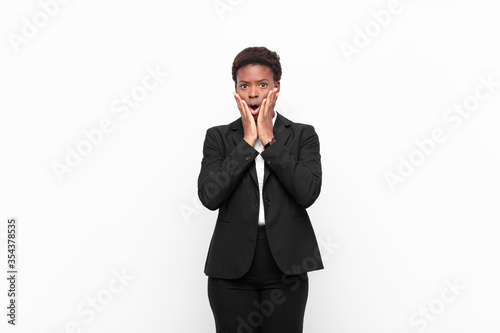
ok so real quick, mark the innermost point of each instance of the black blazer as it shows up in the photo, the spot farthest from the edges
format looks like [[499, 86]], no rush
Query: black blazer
[[292, 182]]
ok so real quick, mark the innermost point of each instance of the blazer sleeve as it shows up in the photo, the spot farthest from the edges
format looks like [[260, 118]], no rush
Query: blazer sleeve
[[302, 177], [220, 176]]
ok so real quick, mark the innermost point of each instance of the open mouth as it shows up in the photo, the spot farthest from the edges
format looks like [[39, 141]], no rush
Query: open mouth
[[254, 109]]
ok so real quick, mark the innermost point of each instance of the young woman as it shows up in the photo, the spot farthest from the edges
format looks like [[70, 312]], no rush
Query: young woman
[[261, 172]]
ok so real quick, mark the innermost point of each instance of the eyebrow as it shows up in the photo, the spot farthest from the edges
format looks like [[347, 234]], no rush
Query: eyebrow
[[257, 81]]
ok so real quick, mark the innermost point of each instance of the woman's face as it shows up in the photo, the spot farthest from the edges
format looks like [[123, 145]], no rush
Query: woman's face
[[253, 84]]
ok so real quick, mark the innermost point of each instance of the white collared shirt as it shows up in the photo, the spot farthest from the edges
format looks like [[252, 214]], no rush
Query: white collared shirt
[[259, 165]]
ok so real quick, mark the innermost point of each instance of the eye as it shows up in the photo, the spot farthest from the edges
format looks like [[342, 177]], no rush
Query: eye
[[244, 84], [265, 84]]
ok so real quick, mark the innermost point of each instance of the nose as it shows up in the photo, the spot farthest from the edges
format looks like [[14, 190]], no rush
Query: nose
[[253, 93]]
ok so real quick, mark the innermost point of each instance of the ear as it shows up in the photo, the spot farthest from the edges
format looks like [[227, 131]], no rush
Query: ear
[[277, 85]]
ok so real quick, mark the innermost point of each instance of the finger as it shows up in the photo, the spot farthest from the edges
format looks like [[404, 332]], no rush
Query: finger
[[275, 97], [246, 109], [244, 104], [236, 97], [262, 111], [241, 106], [269, 103], [238, 103], [266, 105]]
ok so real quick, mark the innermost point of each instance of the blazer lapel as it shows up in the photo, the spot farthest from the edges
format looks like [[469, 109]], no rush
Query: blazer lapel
[[280, 131], [236, 133]]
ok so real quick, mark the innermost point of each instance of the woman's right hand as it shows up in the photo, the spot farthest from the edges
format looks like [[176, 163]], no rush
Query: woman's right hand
[[249, 127]]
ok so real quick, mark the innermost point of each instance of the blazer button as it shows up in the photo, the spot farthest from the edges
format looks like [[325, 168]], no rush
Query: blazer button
[[267, 202], [268, 161], [247, 158]]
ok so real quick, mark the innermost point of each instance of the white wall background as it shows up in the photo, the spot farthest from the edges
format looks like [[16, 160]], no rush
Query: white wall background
[[130, 206]]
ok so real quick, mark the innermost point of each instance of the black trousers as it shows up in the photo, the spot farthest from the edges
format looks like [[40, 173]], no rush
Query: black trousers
[[264, 300]]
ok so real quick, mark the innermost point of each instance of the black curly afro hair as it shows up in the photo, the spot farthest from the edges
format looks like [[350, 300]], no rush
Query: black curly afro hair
[[258, 55]]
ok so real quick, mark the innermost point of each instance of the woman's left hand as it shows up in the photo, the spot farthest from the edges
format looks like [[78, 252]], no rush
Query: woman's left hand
[[265, 118]]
